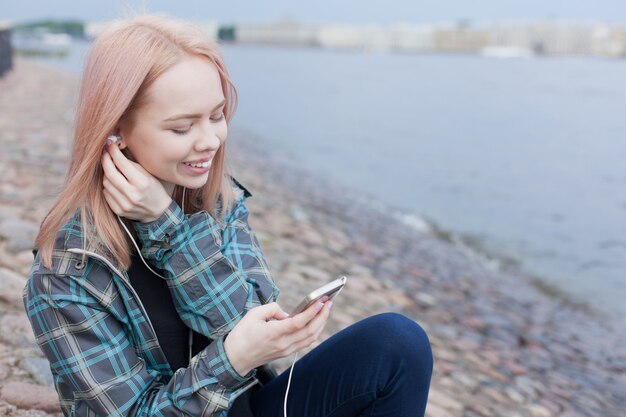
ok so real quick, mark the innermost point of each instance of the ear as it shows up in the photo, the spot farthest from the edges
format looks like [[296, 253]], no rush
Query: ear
[[121, 143]]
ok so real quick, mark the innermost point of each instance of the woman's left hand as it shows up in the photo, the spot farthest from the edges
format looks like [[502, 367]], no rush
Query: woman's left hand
[[130, 190]]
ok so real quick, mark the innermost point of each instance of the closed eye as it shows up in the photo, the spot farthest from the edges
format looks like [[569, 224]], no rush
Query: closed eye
[[182, 132]]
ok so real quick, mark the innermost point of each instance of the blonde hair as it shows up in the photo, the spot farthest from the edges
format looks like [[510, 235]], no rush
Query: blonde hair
[[123, 62]]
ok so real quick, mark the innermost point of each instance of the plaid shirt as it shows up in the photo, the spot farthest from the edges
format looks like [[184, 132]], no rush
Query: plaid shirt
[[103, 351]]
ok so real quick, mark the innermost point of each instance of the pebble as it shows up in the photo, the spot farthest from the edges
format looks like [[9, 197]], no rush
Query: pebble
[[514, 395], [30, 396], [316, 274], [19, 233], [15, 330], [537, 410], [426, 299], [554, 407], [466, 380], [298, 214], [4, 372], [39, 369], [434, 410], [445, 401], [478, 408], [11, 285], [514, 368], [495, 394]]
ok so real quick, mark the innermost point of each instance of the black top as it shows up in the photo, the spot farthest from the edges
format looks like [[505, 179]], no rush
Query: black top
[[172, 333]]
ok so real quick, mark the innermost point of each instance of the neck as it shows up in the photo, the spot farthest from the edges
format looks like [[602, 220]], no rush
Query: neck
[[169, 188]]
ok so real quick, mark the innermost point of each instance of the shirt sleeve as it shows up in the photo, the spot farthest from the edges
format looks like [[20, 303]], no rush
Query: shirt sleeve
[[97, 370], [215, 275]]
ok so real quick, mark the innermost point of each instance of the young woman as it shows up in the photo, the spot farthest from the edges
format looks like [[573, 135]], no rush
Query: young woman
[[149, 293]]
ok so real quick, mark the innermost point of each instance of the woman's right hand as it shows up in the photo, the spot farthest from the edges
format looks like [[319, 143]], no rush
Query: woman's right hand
[[266, 333], [129, 189]]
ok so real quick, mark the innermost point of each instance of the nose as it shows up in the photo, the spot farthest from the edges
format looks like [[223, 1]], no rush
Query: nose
[[207, 140]]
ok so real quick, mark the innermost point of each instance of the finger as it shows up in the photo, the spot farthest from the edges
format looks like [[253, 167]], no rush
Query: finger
[[269, 311], [299, 321], [313, 329], [113, 174], [310, 334], [321, 300], [327, 311], [116, 195], [119, 182], [127, 167], [115, 207]]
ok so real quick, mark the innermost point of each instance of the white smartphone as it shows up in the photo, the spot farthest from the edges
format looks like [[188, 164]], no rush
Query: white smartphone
[[331, 290]]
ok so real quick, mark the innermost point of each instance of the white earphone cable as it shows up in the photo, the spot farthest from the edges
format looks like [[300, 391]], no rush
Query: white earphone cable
[[137, 247], [135, 243], [295, 358]]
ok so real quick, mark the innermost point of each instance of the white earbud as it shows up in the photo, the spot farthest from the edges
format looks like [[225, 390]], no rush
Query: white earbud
[[114, 138]]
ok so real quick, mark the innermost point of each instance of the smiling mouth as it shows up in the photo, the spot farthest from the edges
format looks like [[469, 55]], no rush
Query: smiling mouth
[[199, 164]]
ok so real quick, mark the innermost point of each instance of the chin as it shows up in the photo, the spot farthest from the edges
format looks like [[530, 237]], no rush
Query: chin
[[193, 185]]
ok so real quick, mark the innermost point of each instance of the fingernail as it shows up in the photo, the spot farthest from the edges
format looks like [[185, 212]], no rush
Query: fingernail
[[319, 306], [109, 142], [330, 305]]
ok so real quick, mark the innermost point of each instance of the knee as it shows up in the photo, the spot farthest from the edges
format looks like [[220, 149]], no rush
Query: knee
[[400, 338]]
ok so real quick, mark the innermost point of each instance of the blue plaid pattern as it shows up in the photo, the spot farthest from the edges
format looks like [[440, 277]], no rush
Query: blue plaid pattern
[[103, 352]]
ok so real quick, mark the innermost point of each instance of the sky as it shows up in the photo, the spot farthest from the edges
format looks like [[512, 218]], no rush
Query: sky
[[360, 12]]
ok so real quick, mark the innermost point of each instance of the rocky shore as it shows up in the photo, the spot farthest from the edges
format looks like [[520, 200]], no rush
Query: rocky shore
[[502, 347]]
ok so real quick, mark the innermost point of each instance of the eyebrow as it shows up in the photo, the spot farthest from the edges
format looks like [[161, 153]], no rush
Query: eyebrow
[[192, 116]]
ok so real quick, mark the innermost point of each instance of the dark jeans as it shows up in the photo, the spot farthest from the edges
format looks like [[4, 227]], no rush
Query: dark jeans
[[380, 366]]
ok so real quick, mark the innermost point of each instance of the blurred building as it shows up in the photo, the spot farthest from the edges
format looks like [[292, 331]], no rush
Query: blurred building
[[412, 38], [401, 37], [460, 39], [560, 38], [504, 39], [6, 50], [282, 32], [94, 28]]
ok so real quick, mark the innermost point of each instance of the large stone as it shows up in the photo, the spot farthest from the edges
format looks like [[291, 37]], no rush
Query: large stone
[[39, 369], [23, 262], [19, 233], [15, 330], [11, 286], [4, 372], [31, 396]]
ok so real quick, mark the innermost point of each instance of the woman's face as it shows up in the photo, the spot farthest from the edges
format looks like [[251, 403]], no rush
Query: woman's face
[[177, 132]]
